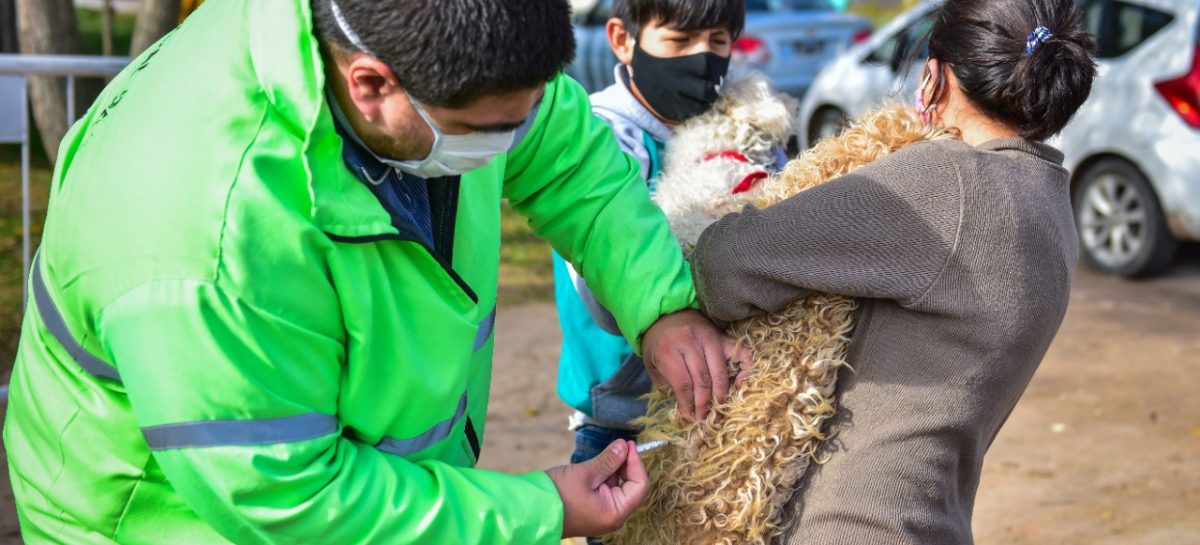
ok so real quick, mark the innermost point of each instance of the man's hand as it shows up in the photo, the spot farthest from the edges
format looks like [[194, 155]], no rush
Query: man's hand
[[600, 494], [686, 351]]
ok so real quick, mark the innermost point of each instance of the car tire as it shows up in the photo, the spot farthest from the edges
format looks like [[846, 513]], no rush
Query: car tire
[[1121, 226], [826, 123]]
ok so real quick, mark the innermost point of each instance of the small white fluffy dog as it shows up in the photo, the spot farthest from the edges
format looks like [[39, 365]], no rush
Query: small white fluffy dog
[[719, 158]]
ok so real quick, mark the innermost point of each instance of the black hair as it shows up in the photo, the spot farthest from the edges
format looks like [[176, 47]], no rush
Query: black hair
[[448, 53], [685, 15], [984, 43]]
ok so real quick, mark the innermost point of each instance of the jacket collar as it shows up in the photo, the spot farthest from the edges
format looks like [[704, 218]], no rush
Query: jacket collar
[[291, 73]]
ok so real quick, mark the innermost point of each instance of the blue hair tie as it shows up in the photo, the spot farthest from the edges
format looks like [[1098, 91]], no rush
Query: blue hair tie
[[1039, 36]]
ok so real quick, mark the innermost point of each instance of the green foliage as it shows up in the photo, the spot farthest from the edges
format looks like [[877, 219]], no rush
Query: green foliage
[[880, 13], [10, 245], [91, 32]]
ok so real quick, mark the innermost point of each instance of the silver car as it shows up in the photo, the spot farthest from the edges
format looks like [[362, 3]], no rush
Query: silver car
[[788, 40], [1133, 149]]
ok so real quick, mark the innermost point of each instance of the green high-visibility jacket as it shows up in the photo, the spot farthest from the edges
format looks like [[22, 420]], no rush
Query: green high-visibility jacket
[[228, 340]]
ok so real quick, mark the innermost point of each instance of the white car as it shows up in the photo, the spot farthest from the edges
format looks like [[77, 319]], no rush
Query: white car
[[878, 70], [1133, 149]]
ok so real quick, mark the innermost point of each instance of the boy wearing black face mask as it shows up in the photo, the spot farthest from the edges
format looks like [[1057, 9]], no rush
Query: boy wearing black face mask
[[674, 55]]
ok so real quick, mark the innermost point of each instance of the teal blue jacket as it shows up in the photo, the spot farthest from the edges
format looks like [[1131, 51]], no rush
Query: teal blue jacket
[[593, 351]]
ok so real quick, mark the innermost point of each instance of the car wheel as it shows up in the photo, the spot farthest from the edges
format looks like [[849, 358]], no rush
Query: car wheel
[[1121, 225], [826, 123]]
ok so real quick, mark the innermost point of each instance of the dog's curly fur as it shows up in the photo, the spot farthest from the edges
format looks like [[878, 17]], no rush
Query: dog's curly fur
[[751, 119], [725, 479]]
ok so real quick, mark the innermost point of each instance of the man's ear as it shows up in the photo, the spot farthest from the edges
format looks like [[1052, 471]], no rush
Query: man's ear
[[620, 40], [370, 81]]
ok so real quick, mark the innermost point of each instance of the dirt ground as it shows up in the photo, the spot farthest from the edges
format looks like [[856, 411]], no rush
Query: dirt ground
[[1104, 448]]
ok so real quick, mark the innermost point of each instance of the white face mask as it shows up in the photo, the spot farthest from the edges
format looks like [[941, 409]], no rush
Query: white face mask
[[454, 154], [451, 154]]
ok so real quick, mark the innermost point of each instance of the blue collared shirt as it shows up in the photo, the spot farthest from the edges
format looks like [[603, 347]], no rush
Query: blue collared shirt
[[405, 196]]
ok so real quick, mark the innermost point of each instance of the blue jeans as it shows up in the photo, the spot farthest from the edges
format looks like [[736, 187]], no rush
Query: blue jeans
[[591, 440]]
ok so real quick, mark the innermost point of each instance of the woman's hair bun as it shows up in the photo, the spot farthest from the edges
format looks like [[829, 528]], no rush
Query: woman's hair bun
[[1033, 80]]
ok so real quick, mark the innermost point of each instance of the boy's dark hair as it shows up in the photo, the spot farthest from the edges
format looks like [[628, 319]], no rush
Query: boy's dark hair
[[685, 15], [984, 41], [447, 53]]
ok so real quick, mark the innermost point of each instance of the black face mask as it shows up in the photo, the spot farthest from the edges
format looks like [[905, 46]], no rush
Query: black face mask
[[679, 88]]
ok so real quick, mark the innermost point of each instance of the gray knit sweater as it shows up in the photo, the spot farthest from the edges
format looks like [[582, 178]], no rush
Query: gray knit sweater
[[962, 258]]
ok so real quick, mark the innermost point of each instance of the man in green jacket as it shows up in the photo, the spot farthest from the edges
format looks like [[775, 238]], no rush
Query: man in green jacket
[[263, 306]]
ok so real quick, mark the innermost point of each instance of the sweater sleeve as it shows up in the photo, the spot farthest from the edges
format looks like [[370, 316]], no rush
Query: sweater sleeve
[[884, 231]]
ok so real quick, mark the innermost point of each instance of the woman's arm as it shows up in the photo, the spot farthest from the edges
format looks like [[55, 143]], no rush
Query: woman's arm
[[885, 231]]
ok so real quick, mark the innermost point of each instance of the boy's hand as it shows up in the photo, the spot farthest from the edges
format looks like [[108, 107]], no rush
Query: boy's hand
[[600, 494], [686, 351]]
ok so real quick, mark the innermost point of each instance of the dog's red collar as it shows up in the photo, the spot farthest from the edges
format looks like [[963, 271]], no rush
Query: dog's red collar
[[747, 182], [727, 154]]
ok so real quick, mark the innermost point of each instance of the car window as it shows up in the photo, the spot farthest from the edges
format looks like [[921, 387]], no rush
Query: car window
[[899, 48], [883, 54], [597, 12], [788, 5], [1093, 15], [1136, 24], [1120, 27], [592, 12]]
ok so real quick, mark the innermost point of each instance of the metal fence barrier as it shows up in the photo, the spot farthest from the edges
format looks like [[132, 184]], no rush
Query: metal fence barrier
[[14, 110], [14, 120]]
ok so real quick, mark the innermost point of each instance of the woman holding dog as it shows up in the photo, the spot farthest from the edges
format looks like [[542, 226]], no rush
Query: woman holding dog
[[962, 253]]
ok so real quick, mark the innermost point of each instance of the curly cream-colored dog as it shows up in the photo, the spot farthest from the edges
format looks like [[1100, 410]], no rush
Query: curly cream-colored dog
[[722, 157], [725, 479]]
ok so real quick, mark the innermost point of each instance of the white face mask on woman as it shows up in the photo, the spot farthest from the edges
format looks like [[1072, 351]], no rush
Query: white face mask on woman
[[454, 154]]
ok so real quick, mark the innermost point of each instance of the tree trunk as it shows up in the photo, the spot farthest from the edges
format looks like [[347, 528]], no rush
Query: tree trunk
[[106, 27], [48, 27], [8, 26], [155, 19]]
